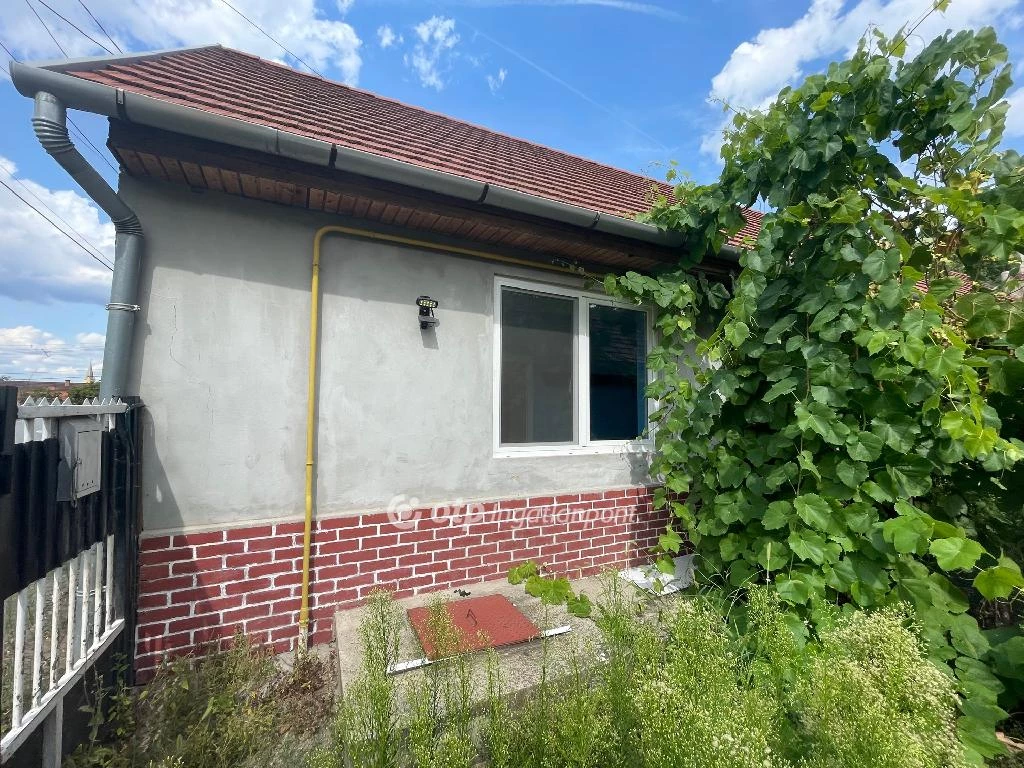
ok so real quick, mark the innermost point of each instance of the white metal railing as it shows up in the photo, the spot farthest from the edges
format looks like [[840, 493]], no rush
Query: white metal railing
[[68, 618]]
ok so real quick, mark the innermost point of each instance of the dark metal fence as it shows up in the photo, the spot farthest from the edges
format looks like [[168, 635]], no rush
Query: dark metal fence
[[68, 539]]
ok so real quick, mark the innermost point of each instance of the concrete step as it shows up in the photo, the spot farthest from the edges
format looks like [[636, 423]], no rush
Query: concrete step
[[520, 665]]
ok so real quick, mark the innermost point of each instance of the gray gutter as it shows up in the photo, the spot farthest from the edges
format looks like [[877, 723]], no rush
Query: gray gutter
[[100, 99], [729, 253], [49, 121]]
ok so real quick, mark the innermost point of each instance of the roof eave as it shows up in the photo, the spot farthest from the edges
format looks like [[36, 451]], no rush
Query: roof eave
[[90, 96]]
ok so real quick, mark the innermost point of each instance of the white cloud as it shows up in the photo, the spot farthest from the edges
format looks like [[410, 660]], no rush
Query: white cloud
[[27, 352], [344, 6], [387, 37], [329, 45], [494, 82], [430, 58], [90, 339], [649, 9], [38, 263], [1015, 117], [759, 68]]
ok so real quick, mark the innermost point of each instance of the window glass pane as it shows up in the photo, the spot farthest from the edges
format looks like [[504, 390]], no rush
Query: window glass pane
[[537, 352], [618, 352]]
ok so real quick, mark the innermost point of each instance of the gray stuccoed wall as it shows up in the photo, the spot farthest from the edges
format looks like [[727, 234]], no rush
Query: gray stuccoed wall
[[220, 361]]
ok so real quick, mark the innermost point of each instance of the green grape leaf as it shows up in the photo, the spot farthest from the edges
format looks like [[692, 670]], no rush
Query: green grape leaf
[[956, 553], [999, 581]]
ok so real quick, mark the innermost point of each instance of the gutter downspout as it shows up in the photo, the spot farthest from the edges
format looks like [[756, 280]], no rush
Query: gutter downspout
[[314, 355], [49, 121]]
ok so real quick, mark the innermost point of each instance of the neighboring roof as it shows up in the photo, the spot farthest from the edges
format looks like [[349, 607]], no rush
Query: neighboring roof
[[246, 87], [750, 230], [36, 384], [965, 287]]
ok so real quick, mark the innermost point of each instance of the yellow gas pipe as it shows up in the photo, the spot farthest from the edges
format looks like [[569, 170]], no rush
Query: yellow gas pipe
[[314, 343]]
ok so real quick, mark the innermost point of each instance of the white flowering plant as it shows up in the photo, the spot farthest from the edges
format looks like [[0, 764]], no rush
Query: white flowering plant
[[685, 681]]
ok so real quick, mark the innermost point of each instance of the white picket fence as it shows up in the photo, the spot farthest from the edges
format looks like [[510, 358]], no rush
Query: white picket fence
[[64, 621]]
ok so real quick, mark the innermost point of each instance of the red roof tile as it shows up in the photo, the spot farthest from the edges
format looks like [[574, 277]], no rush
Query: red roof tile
[[965, 287], [246, 87]]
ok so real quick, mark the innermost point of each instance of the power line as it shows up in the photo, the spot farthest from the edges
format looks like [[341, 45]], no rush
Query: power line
[[92, 256], [99, 153], [46, 345], [75, 128], [269, 36], [40, 18], [56, 215], [28, 349], [102, 29], [75, 26]]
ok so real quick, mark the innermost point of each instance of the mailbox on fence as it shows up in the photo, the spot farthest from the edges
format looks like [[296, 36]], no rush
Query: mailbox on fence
[[81, 441]]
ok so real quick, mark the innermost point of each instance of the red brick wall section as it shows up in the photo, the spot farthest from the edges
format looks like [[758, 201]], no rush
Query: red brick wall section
[[197, 589]]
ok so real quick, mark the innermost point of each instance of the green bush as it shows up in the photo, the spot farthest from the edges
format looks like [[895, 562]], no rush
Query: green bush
[[221, 711], [849, 431], [669, 683], [679, 687], [868, 698]]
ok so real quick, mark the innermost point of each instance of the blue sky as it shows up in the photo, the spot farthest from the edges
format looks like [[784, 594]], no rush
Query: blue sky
[[627, 83]]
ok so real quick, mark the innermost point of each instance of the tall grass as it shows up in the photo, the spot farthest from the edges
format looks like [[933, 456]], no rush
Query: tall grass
[[678, 687], [227, 709], [668, 686]]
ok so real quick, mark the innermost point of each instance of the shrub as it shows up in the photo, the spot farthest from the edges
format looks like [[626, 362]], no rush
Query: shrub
[[696, 708], [670, 683], [869, 698], [680, 687], [855, 381], [219, 711]]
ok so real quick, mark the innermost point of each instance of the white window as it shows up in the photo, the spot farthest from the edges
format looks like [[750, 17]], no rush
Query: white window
[[570, 371]]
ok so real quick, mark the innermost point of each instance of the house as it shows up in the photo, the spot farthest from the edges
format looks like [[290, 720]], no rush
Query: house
[[365, 338], [48, 389]]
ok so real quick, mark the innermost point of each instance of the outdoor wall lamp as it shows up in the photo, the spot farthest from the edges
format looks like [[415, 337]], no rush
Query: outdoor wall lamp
[[427, 306]]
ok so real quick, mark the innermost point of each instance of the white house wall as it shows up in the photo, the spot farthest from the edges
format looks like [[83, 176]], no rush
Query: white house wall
[[220, 358]]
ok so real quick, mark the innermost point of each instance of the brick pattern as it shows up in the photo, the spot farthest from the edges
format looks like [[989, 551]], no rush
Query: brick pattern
[[200, 588]]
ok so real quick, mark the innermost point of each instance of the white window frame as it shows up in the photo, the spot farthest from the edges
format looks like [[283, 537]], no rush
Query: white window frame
[[581, 371]]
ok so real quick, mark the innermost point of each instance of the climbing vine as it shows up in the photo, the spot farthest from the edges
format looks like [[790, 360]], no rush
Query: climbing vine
[[853, 365]]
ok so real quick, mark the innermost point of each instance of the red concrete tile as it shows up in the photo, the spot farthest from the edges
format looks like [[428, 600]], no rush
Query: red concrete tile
[[484, 622]]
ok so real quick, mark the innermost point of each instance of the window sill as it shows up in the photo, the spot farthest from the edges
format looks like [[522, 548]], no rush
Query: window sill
[[635, 447]]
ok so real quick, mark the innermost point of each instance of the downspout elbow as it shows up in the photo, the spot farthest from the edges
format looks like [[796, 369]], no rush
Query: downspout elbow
[[49, 121]]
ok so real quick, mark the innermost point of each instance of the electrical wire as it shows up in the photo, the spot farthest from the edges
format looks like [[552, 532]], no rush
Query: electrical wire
[[102, 28], [13, 349], [92, 255], [75, 128], [75, 26], [269, 37], [56, 215], [61, 348], [40, 18]]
